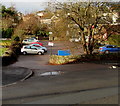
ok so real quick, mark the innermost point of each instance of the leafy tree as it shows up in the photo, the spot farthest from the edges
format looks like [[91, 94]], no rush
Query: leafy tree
[[9, 20], [7, 33]]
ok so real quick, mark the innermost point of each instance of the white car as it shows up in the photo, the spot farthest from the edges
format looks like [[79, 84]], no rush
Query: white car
[[31, 50], [39, 46], [30, 40], [75, 39]]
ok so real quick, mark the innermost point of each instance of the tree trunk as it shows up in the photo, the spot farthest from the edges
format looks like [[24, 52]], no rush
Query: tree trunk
[[84, 43], [91, 40]]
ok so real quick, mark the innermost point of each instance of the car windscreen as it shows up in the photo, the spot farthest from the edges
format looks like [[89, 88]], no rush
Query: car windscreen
[[111, 46], [33, 47], [27, 47]]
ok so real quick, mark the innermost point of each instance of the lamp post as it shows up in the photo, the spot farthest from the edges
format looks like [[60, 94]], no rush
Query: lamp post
[[51, 44]]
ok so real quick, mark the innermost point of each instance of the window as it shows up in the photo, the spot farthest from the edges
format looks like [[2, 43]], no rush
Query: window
[[111, 46], [32, 47], [27, 47], [25, 40]]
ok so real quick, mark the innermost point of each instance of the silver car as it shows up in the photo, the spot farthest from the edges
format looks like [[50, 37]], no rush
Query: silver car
[[39, 46], [31, 50]]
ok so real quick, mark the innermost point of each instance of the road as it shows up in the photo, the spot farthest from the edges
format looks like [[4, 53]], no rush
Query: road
[[78, 83]]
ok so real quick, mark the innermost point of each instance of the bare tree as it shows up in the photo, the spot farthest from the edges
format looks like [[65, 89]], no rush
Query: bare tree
[[27, 27], [89, 18]]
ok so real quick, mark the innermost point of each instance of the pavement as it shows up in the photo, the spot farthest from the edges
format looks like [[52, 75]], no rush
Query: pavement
[[12, 75]]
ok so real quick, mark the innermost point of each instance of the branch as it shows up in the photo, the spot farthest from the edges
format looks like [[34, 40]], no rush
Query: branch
[[81, 28]]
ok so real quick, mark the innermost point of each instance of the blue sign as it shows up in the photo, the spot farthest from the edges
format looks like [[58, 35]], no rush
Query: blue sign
[[64, 52]]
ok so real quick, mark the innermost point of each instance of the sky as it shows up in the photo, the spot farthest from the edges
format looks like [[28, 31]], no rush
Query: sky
[[25, 6], [29, 6]]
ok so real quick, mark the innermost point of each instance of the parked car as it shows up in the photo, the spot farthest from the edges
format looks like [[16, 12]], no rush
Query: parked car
[[37, 42], [109, 49], [31, 50], [75, 39], [39, 46], [30, 40]]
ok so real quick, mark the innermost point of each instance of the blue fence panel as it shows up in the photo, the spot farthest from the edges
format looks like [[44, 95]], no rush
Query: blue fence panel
[[64, 52]]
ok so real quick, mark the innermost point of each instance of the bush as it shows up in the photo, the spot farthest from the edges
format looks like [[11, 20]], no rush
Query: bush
[[16, 38], [100, 57], [11, 54], [59, 60], [7, 33]]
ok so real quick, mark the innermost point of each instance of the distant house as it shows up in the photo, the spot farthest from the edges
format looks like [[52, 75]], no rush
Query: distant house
[[44, 17], [45, 21], [27, 17], [114, 16]]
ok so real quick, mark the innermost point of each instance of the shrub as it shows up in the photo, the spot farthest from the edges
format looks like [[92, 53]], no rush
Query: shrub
[[16, 38], [11, 54], [7, 33], [59, 60]]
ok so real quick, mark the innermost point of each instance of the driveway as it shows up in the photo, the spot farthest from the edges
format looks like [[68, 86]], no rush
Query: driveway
[[73, 79]]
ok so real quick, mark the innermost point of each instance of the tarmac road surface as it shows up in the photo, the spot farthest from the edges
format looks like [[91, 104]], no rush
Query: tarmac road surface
[[78, 97], [76, 83]]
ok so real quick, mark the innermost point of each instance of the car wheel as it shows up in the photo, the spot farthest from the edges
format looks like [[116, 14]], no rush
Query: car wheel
[[44, 50], [40, 53], [107, 52], [24, 53]]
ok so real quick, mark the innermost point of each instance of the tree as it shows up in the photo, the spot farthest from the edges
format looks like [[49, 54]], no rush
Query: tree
[[9, 20], [31, 25], [28, 27], [59, 25], [88, 16]]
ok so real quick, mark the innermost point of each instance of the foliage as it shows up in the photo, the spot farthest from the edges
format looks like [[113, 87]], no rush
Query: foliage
[[10, 20], [8, 12], [114, 40], [2, 51], [5, 42], [59, 60], [98, 58], [7, 33], [16, 38], [11, 54]]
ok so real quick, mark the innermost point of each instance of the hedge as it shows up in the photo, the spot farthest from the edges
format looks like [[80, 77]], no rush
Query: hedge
[[11, 54], [60, 60]]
